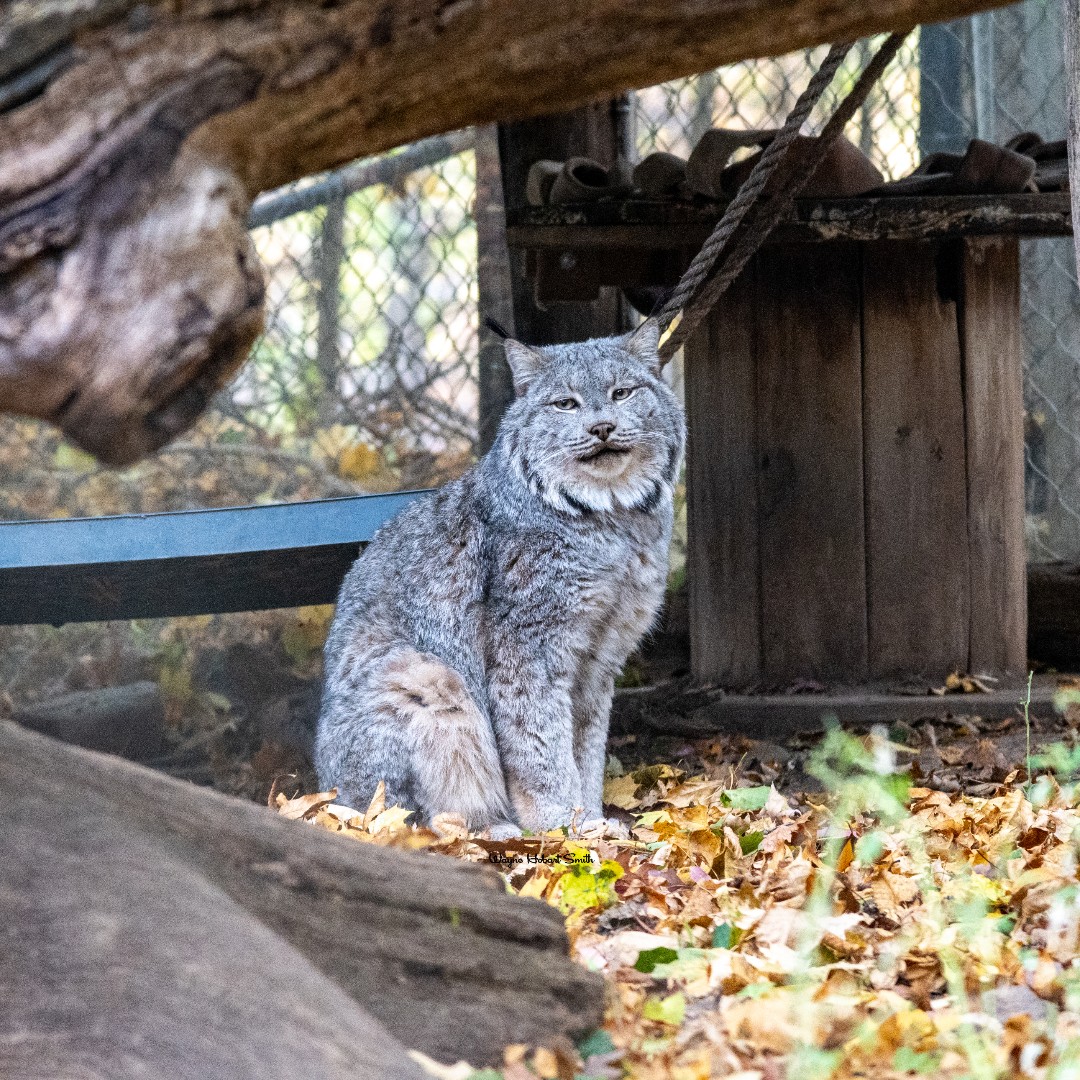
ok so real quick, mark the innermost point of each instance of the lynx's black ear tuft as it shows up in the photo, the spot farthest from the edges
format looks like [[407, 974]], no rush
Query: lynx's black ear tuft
[[496, 328], [642, 344], [525, 363]]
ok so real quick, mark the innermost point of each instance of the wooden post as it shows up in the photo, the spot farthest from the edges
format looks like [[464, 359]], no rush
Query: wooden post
[[918, 589], [493, 287], [721, 480], [588, 132], [994, 419], [810, 469], [1071, 22], [330, 255]]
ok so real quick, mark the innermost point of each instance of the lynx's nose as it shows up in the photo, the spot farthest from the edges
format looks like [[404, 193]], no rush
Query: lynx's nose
[[602, 431]]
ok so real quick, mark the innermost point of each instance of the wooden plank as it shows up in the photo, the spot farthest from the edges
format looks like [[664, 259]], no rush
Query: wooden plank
[[938, 217], [777, 716], [592, 245], [994, 417], [810, 475], [657, 223], [918, 578], [722, 504], [192, 563]]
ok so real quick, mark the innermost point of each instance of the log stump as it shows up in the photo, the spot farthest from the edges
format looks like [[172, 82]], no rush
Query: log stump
[[150, 927]]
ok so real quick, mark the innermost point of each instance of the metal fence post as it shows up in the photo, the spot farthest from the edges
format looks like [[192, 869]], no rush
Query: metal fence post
[[328, 260], [944, 123]]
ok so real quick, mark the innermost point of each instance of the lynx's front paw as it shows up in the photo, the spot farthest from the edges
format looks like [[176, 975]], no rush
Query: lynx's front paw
[[542, 819], [506, 830], [604, 826]]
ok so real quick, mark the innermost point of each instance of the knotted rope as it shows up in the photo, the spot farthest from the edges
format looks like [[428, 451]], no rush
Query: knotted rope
[[697, 291]]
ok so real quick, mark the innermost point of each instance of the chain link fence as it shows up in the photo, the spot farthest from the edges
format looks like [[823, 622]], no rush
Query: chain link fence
[[368, 359], [759, 94]]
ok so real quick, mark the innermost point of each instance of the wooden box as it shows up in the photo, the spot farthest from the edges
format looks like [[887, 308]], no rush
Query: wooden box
[[855, 468]]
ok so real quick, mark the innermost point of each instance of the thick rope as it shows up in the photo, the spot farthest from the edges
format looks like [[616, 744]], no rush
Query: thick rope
[[748, 193], [697, 293]]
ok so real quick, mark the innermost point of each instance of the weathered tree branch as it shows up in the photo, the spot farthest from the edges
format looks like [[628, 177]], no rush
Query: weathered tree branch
[[149, 922], [136, 134]]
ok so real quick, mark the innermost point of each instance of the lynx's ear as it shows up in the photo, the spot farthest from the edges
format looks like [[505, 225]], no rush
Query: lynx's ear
[[524, 363], [642, 344]]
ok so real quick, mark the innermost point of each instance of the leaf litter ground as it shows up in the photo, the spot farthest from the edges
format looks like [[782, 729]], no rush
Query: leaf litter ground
[[895, 905]]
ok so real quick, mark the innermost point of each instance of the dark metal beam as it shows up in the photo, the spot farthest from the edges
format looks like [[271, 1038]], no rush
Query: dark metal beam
[[196, 562]]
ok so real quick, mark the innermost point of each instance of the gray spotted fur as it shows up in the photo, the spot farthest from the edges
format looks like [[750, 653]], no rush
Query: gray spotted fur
[[472, 658]]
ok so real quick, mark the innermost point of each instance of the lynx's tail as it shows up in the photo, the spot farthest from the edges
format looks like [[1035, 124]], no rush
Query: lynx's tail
[[454, 760]]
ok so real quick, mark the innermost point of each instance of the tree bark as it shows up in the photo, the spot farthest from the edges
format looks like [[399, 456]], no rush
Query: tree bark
[[133, 136], [151, 924]]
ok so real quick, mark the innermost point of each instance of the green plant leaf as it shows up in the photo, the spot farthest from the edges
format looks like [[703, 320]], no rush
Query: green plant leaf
[[648, 959], [750, 842], [669, 1010], [746, 798], [813, 1063], [908, 1060], [725, 936]]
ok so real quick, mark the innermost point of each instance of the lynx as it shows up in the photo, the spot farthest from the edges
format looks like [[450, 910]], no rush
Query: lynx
[[471, 662]]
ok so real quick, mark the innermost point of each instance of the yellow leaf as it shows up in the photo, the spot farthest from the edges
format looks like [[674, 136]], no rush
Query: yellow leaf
[[536, 884], [619, 791], [847, 856], [359, 461], [376, 806], [294, 809], [669, 1010], [546, 1064]]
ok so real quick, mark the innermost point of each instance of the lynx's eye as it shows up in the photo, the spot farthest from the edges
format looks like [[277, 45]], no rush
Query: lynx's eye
[[566, 404], [621, 393]]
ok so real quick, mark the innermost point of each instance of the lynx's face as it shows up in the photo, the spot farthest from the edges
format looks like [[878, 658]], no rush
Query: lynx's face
[[594, 426]]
